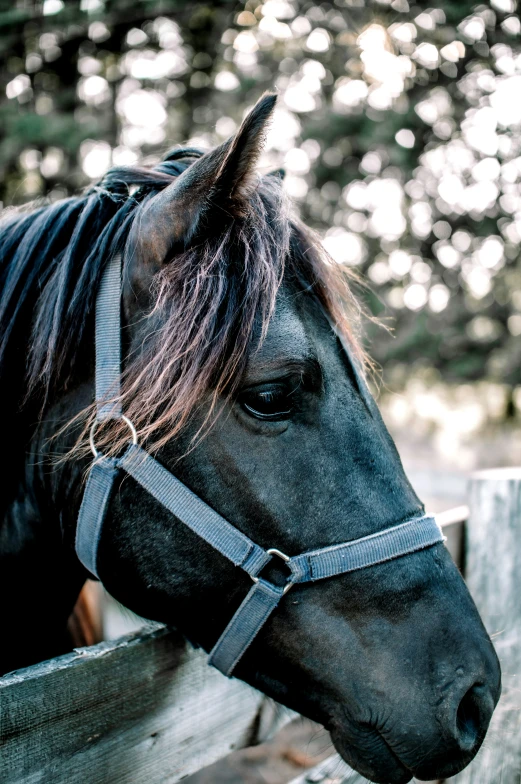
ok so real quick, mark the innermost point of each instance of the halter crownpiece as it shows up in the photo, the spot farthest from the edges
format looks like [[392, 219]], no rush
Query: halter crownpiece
[[263, 597]]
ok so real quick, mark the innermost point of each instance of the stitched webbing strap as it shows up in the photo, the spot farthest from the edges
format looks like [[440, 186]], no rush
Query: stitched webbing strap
[[193, 512], [108, 342], [92, 512], [263, 598], [415, 534]]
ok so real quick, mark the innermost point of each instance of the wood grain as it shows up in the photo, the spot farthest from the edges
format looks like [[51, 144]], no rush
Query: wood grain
[[144, 708], [493, 570]]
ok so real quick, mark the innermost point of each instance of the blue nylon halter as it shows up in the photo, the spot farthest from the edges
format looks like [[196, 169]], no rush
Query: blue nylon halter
[[407, 537]]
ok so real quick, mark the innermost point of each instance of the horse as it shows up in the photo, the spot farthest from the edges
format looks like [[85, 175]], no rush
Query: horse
[[243, 374]]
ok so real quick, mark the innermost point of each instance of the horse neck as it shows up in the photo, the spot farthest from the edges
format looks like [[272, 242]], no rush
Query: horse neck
[[39, 574]]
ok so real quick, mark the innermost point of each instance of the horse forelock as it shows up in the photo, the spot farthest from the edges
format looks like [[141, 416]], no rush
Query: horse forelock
[[210, 302]]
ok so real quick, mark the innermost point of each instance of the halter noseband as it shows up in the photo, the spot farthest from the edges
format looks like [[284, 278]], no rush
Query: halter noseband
[[407, 537]]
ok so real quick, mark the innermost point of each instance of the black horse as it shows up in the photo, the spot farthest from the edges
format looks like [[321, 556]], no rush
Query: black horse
[[235, 379]]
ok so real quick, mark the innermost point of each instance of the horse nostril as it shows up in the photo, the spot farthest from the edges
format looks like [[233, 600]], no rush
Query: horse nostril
[[470, 718]]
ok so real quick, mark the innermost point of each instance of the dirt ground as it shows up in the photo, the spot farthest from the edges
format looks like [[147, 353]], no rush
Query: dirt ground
[[300, 745]]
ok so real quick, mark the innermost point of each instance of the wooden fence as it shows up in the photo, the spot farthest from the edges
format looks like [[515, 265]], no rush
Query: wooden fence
[[147, 709], [144, 708]]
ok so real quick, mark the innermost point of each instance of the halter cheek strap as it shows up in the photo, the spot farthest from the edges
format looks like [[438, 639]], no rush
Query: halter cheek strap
[[263, 597]]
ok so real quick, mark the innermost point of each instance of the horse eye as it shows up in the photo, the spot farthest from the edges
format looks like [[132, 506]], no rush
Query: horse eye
[[270, 402]]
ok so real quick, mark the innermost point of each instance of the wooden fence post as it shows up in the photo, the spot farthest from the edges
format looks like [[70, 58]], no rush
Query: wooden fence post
[[493, 573]]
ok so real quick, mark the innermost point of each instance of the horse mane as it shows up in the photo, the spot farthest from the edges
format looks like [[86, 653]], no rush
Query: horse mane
[[211, 297]]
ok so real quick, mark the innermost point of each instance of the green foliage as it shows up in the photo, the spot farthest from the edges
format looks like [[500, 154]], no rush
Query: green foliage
[[399, 126]]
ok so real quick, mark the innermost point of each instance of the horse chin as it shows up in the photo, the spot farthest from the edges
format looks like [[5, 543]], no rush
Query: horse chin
[[444, 770], [371, 757], [369, 754]]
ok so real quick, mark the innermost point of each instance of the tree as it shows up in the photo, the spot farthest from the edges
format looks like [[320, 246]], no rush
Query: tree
[[398, 126]]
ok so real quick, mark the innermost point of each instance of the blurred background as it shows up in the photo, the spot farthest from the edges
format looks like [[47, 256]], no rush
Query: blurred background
[[398, 125]]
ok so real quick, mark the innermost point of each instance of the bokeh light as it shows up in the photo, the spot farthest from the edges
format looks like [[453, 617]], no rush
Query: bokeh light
[[398, 127]]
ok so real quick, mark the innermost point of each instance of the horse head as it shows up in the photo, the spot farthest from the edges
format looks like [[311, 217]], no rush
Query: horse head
[[236, 380]]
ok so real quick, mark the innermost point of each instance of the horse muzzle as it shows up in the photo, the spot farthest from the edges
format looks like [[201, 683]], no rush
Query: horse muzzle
[[426, 749]]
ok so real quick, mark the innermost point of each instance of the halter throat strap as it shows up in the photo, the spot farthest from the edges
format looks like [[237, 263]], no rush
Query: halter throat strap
[[408, 537]]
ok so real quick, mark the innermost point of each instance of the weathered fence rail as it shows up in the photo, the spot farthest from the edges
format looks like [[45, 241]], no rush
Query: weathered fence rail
[[148, 709], [145, 708]]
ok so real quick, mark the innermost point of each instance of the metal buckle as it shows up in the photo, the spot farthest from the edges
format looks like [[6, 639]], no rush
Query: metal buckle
[[286, 559], [95, 424]]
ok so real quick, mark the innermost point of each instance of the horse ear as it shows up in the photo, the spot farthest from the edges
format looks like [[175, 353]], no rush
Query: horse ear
[[216, 186]]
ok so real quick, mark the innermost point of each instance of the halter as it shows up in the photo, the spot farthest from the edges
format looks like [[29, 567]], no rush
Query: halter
[[408, 537]]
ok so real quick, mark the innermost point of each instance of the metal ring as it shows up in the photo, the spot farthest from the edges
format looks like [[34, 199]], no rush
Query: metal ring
[[286, 559], [279, 554], [95, 424]]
